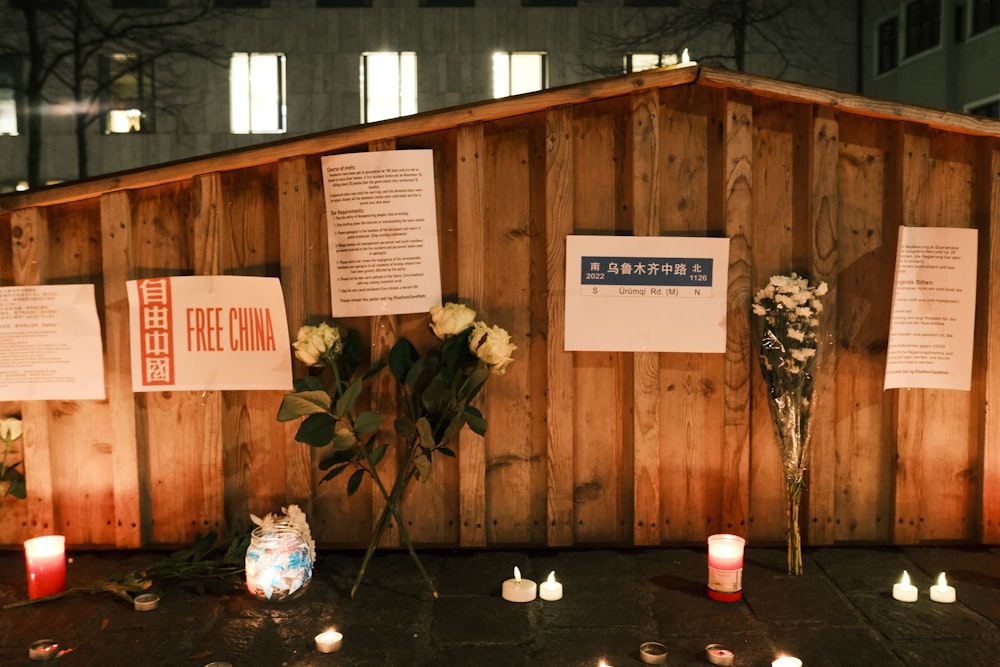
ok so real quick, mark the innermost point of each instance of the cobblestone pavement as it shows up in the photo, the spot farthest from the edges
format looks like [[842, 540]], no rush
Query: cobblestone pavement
[[839, 612]]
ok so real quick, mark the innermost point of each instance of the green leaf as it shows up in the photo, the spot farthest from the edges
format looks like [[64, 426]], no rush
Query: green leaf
[[401, 358], [423, 466], [476, 380], [352, 353], [308, 383], [378, 453], [446, 451], [345, 441], [367, 422], [347, 399], [301, 403], [335, 457], [454, 426], [474, 418], [334, 472], [355, 481], [404, 426], [437, 398], [316, 430], [426, 435]]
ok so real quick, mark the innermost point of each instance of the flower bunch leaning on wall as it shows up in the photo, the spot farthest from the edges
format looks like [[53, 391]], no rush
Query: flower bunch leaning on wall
[[788, 309], [436, 389]]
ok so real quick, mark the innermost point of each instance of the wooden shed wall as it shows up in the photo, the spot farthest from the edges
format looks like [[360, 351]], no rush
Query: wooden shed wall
[[586, 447]]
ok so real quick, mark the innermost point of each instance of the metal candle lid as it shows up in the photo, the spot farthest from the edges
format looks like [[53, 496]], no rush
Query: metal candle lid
[[43, 649], [146, 602], [653, 653]]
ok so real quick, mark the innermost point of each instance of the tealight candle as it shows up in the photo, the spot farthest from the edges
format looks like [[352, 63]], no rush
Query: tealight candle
[[719, 654], [550, 589], [904, 591], [46, 561], [787, 661], [941, 591], [725, 567], [329, 641], [518, 589], [653, 653], [43, 650]]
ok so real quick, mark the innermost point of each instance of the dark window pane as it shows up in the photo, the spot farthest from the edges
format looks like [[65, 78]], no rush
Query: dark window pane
[[652, 3], [990, 109], [343, 3], [888, 45], [447, 3], [985, 15], [548, 3], [240, 4], [923, 26], [138, 4]]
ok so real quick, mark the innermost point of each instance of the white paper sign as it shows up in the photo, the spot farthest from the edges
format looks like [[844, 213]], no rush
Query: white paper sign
[[208, 332], [382, 228], [646, 294], [933, 309], [50, 344]]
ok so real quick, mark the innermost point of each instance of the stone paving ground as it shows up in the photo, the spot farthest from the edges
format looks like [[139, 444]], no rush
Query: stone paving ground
[[839, 613]]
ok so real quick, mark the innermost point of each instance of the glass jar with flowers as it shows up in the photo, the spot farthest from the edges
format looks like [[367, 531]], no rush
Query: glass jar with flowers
[[436, 390], [788, 310]]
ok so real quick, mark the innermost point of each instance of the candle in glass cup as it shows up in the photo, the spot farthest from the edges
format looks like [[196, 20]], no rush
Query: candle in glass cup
[[725, 567], [45, 558]]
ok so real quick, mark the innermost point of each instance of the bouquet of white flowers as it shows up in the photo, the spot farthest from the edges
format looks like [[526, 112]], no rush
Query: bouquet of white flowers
[[436, 391], [788, 308]]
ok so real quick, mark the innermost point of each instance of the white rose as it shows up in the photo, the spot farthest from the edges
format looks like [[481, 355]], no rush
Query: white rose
[[314, 343], [452, 319], [492, 346], [10, 429]]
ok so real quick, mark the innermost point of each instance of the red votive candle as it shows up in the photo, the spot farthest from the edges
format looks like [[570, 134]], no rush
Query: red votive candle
[[725, 567], [46, 561]]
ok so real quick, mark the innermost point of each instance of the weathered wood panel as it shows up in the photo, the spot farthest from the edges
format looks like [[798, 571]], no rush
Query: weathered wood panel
[[583, 447]]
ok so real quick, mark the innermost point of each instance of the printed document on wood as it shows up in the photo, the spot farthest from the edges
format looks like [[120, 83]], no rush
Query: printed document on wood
[[646, 294], [933, 309], [208, 332], [50, 344], [382, 229]]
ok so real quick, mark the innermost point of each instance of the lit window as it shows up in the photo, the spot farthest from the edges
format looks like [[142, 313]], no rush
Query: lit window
[[888, 45], [128, 86], [519, 72], [257, 93], [388, 85], [637, 62], [923, 26], [985, 15], [8, 95]]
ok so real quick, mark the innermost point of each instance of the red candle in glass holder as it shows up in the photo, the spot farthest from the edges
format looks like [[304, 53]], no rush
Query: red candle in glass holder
[[725, 567], [46, 563]]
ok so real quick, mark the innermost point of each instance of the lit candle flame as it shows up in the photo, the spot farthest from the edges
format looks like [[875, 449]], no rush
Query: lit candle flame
[[685, 56], [517, 574], [942, 582], [552, 577], [905, 581]]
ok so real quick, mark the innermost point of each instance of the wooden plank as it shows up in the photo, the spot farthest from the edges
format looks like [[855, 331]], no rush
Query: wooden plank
[[298, 242], [773, 251], [207, 204], [736, 169], [470, 255], [29, 230], [991, 440], [254, 468], [866, 247], [645, 195], [512, 458], [691, 395], [819, 517], [127, 458], [933, 494], [559, 215], [602, 386]]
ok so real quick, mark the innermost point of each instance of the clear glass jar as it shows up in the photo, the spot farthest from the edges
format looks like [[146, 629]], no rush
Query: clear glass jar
[[279, 563]]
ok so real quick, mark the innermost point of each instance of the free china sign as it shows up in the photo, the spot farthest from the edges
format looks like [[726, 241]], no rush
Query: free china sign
[[208, 332]]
